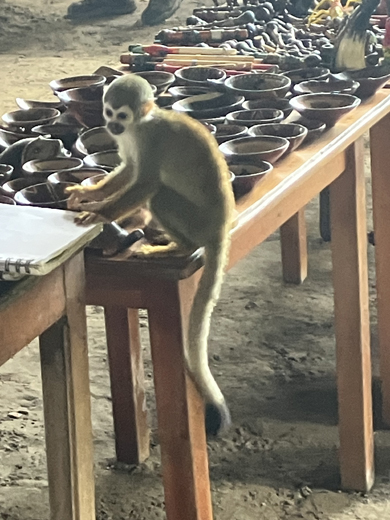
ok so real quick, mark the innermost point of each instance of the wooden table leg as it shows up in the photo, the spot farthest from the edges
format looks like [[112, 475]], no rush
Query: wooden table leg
[[325, 215], [294, 248], [350, 278], [127, 384], [180, 410], [380, 161], [67, 407]]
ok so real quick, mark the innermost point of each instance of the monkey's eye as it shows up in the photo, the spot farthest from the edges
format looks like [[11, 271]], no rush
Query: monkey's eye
[[122, 115], [109, 112]]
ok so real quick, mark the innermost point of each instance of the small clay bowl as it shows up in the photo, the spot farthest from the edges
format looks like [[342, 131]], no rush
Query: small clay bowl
[[92, 181], [8, 137], [255, 117], [299, 75], [295, 134], [246, 176], [184, 92], [282, 104], [95, 140], [85, 105], [199, 76], [159, 78], [40, 170], [370, 79], [45, 195], [75, 176], [11, 187], [66, 133], [26, 104], [328, 108], [210, 105], [327, 87], [227, 132], [314, 128], [7, 200], [6, 171], [255, 86], [165, 101], [92, 81], [107, 160], [27, 119], [254, 149]]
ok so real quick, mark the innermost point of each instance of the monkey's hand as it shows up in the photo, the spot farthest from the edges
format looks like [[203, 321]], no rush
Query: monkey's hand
[[85, 218], [80, 194]]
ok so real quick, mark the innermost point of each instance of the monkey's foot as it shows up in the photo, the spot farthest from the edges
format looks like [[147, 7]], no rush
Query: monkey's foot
[[87, 9], [158, 11], [156, 237], [147, 250], [217, 419]]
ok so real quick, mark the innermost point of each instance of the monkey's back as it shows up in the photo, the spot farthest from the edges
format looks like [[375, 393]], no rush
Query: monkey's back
[[195, 167]]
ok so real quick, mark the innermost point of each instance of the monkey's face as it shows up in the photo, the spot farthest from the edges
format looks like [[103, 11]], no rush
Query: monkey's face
[[118, 120]]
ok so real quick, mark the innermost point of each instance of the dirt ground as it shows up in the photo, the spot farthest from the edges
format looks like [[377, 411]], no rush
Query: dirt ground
[[272, 346]]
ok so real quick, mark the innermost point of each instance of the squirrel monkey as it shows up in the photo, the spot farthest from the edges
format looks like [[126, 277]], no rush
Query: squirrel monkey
[[173, 164]]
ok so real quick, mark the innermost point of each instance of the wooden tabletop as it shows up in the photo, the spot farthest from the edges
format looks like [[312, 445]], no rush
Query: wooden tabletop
[[293, 182]]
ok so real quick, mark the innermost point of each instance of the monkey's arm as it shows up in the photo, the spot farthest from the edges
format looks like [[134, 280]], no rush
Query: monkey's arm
[[116, 181], [124, 204]]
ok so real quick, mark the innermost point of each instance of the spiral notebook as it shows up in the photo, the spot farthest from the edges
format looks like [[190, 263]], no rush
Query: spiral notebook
[[34, 241]]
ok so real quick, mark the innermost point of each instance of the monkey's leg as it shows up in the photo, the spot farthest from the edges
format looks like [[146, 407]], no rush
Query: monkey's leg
[[182, 219]]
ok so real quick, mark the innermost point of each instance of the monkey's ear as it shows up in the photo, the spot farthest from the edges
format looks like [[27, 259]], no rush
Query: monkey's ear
[[147, 107]]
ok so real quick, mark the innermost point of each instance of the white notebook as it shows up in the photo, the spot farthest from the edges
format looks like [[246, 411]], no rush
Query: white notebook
[[34, 241]]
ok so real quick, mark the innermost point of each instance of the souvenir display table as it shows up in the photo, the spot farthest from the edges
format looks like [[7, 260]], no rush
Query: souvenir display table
[[53, 307], [165, 287]]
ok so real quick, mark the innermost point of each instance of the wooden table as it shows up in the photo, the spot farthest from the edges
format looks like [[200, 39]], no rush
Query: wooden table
[[53, 308], [166, 287]]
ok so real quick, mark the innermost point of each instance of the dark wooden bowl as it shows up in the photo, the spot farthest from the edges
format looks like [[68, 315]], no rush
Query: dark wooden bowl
[[25, 104], [95, 140], [159, 78], [255, 86], [337, 86], [45, 195], [8, 136], [66, 133], [11, 187], [299, 75], [75, 176], [40, 170], [282, 104], [92, 81], [254, 150], [85, 104], [199, 76], [246, 176], [255, 117], [294, 133], [228, 132], [106, 160], [27, 119], [370, 79], [211, 105], [328, 108], [182, 92]]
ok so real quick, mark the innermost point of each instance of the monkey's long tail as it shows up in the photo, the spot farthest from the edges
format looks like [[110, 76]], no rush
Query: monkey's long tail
[[217, 412]]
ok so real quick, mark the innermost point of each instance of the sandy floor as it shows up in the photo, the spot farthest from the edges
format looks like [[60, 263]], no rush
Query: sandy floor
[[271, 347]]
